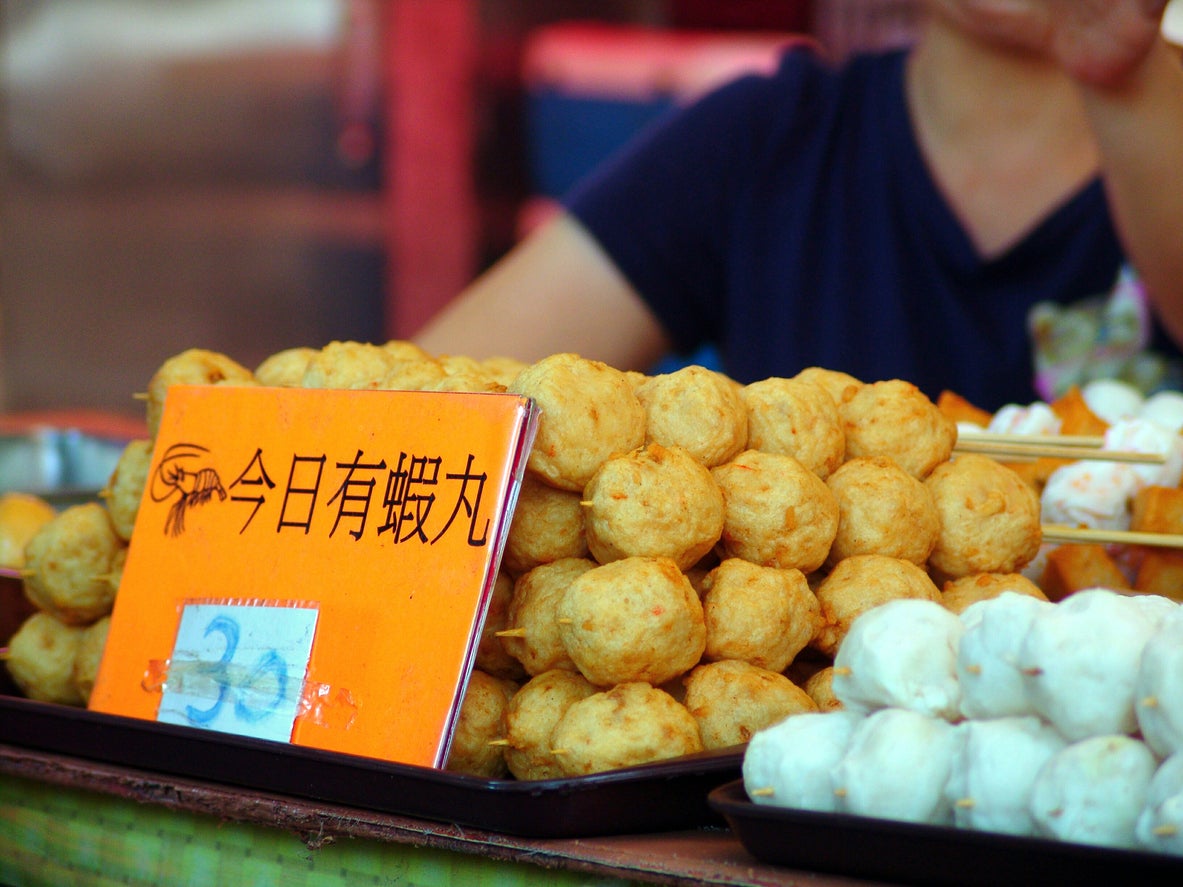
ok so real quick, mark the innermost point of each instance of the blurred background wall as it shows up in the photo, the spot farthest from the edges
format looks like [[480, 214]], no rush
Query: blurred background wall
[[250, 175]]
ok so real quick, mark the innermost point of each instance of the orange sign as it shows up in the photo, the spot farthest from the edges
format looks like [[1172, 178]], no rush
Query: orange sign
[[314, 566]]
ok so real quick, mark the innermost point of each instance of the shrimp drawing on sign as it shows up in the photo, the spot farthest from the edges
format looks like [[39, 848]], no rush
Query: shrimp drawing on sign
[[181, 474]]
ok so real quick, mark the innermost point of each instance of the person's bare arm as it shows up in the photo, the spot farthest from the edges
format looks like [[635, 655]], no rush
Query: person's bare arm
[[557, 291], [1139, 126], [1131, 83]]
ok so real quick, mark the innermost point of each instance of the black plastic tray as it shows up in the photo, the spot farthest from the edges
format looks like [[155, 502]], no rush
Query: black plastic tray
[[667, 795], [886, 850]]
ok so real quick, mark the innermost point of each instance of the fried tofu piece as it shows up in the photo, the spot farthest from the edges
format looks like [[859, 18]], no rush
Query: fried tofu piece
[[1157, 510], [1076, 417], [1161, 572], [959, 409], [1073, 567]]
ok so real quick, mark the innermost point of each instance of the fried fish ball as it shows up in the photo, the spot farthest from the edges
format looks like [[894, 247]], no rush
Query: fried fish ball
[[534, 638], [284, 369], [797, 418], [589, 412], [653, 502], [990, 518], [420, 374], [733, 700], [195, 366], [548, 525], [635, 619], [630, 724], [88, 657], [68, 564], [762, 615], [957, 594], [404, 349], [491, 655], [838, 385], [125, 486], [882, 509], [697, 409], [21, 516], [502, 369], [469, 381], [820, 687], [777, 512], [860, 583], [530, 720], [894, 418], [476, 748], [347, 364], [41, 659]]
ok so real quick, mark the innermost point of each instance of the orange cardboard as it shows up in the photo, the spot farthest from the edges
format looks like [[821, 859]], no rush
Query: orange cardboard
[[379, 515]]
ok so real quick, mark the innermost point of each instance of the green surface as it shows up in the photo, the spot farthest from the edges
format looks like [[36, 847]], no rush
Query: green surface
[[51, 835]]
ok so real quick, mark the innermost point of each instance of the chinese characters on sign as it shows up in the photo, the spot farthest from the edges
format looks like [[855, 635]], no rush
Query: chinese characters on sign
[[413, 498]]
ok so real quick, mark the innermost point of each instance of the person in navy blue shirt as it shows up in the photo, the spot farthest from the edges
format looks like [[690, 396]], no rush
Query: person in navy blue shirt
[[897, 216]]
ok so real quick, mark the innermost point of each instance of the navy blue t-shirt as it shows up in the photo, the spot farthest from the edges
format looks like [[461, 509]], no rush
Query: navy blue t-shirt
[[792, 221]]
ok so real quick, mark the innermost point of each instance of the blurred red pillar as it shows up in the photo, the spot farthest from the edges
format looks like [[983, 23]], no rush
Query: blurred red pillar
[[430, 200]]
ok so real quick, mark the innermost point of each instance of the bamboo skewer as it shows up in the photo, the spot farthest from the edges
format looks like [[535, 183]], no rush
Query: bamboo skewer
[[1034, 448], [1089, 535]]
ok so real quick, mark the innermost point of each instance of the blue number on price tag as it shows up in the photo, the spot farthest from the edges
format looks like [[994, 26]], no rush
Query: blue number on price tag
[[239, 669]]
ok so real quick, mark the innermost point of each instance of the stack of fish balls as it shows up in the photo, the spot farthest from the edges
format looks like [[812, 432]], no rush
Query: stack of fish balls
[[670, 526], [1056, 720]]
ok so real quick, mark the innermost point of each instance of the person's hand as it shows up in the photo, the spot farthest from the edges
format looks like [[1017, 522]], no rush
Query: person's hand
[[1099, 42]]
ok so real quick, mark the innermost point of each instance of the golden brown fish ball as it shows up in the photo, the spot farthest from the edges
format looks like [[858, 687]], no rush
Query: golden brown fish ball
[[820, 687], [412, 375], [882, 509], [859, 583], [838, 385], [284, 369], [777, 513], [467, 381], [957, 594], [624, 726], [636, 619], [68, 564], [796, 418], [990, 518], [476, 747], [404, 349], [698, 410], [533, 636], [41, 659], [547, 525], [896, 419], [761, 615], [530, 720], [589, 412], [731, 700], [89, 656], [653, 502], [347, 364], [502, 369], [491, 655], [195, 366], [125, 486], [21, 516]]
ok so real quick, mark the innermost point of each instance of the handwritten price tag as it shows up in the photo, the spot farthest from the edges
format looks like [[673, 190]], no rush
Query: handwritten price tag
[[239, 669]]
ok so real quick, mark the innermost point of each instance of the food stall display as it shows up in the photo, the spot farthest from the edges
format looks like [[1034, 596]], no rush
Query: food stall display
[[699, 570]]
